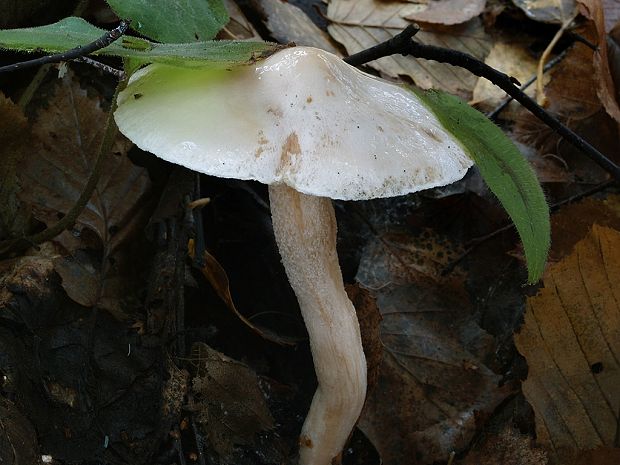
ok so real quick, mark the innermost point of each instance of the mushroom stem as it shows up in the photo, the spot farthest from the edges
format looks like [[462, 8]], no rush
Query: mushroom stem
[[305, 231]]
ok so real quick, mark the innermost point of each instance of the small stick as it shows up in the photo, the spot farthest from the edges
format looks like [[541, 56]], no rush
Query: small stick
[[74, 53], [407, 46]]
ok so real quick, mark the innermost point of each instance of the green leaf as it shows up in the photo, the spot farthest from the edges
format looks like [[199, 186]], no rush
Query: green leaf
[[505, 171], [72, 32], [174, 21]]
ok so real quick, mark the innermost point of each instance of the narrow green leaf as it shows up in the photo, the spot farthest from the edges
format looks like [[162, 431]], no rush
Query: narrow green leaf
[[174, 21], [71, 32], [505, 171]]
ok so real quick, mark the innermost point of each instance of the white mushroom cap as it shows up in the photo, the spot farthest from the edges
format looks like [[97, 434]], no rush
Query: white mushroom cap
[[301, 117]]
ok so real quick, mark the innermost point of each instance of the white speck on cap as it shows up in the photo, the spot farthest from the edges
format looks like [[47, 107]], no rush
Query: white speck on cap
[[301, 117]]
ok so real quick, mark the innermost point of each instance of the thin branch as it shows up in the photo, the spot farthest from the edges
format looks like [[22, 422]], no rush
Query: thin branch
[[77, 52], [406, 46]]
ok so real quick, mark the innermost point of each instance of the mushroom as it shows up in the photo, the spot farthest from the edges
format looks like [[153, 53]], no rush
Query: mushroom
[[313, 128]]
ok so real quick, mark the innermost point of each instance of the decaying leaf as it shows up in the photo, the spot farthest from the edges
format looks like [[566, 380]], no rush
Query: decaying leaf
[[360, 24], [447, 11], [65, 144], [231, 406], [434, 382], [69, 132], [14, 146], [173, 390], [508, 447], [571, 340], [288, 23], [18, 438], [30, 275]]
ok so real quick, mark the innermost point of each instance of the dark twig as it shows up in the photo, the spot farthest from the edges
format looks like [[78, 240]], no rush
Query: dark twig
[[550, 64], [406, 46], [397, 44], [74, 53]]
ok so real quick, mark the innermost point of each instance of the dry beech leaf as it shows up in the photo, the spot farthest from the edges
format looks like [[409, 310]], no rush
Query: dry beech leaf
[[434, 384], [571, 341], [593, 10], [447, 11], [360, 24], [231, 406], [288, 23], [508, 447], [548, 11], [238, 27]]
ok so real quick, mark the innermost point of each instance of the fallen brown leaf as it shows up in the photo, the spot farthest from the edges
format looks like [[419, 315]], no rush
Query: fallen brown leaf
[[435, 385], [571, 341]]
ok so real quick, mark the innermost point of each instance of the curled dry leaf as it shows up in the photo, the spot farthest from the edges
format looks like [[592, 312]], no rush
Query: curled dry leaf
[[434, 383], [360, 24], [215, 274], [231, 406], [593, 10], [571, 341], [447, 11]]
